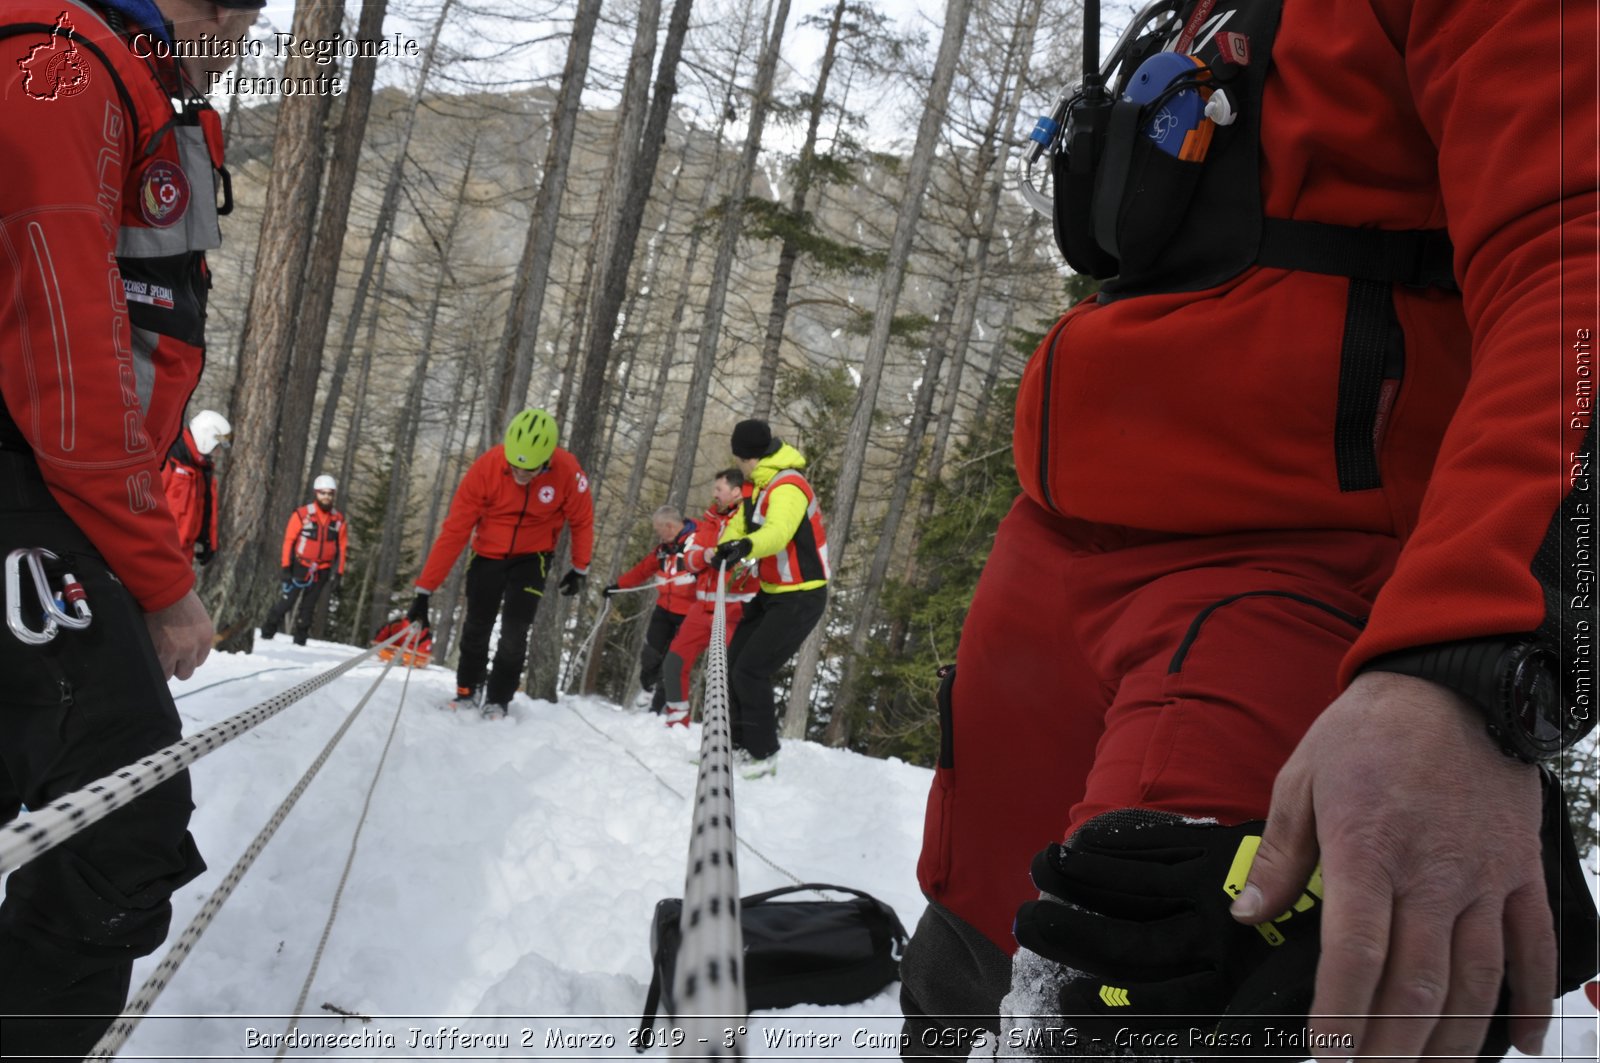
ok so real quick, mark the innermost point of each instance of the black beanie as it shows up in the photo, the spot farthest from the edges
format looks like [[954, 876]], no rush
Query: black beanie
[[752, 439]]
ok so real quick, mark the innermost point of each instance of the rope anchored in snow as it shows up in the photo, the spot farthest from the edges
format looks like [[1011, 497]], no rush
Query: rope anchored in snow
[[120, 1030], [709, 980], [39, 831]]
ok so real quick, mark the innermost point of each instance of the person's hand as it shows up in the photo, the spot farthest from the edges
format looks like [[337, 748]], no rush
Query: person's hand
[[1429, 842], [333, 583], [418, 613], [731, 552], [203, 553], [571, 583], [611, 588], [182, 635]]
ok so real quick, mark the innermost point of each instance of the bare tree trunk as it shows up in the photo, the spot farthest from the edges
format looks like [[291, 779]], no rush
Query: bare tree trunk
[[789, 252], [683, 466], [633, 171], [247, 567], [387, 561], [533, 274], [380, 234], [842, 509]]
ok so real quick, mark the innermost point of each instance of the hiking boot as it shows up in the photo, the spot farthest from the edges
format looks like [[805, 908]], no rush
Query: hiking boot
[[466, 698], [268, 632], [300, 640], [750, 768], [677, 716], [494, 711]]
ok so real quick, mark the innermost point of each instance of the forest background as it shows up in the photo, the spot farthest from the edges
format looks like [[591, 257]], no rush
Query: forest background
[[654, 218]]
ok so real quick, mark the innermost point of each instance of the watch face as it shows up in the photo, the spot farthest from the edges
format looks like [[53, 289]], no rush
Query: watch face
[[1535, 702]]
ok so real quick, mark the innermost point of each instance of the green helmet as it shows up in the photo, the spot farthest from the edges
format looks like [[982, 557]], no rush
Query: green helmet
[[531, 439]]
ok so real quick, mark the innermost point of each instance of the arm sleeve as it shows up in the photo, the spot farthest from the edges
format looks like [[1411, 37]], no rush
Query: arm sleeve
[[579, 508], [466, 506], [66, 365], [290, 532], [1506, 92], [639, 574], [786, 508], [209, 500]]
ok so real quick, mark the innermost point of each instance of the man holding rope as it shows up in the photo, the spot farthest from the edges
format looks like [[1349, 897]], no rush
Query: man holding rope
[[674, 595], [105, 215], [511, 504]]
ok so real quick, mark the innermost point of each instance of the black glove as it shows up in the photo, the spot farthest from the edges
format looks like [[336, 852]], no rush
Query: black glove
[[287, 586], [418, 613], [203, 553], [611, 588], [730, 552], [571, 583], [1149, 947]]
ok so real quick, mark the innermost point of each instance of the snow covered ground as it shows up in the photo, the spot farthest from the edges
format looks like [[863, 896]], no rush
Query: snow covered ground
[[505, 877]]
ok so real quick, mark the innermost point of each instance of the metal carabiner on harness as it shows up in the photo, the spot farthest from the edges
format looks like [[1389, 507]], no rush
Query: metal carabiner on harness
[[55, 617]]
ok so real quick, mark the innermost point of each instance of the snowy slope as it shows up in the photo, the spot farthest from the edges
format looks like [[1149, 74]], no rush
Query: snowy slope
[[505, 877]]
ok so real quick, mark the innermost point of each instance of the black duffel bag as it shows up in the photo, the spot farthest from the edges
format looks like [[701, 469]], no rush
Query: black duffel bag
[[795, 952]]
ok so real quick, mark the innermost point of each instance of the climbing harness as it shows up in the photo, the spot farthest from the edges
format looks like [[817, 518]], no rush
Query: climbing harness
[[119, 1031], [41, 830], [51, 604]]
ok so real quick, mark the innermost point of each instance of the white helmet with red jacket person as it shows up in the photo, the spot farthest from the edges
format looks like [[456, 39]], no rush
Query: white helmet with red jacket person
[[189, 480], [315, 546], [510, 506], [108, 205]]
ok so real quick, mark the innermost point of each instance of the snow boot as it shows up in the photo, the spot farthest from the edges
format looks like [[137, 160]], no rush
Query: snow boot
[[493, 711], [677, 714], [750, 768], [466, 698], [268, 631]]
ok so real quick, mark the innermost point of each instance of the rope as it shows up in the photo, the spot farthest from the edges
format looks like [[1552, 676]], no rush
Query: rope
[[36, 832], [355, 840], [580, 660], [708, 984], [119, 1031], [235, 679]]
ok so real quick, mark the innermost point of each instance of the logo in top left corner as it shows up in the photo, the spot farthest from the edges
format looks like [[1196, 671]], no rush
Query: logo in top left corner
[[56, 70]]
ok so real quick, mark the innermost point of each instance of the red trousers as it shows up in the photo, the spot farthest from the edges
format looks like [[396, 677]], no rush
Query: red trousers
[[693, 636], [1104, 668]]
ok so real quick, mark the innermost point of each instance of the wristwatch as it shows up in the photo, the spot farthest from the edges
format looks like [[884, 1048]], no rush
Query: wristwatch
[[1515, 683]]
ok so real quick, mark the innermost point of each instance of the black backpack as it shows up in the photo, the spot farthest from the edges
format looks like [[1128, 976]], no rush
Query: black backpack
[[795, 952]]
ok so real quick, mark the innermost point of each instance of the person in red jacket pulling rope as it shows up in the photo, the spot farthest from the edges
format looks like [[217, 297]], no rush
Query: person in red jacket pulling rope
[[1241, 748], [662, 566], [114, 181], [511, 506], [729, 490]]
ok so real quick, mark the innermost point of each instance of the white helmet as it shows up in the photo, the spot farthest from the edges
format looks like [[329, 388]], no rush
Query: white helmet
[[209, 428], [324, 483]]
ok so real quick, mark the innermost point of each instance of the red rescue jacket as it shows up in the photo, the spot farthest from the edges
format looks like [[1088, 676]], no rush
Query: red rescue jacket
[[665, 566], [190, 487], [106, 210], [742, 582], [315, 537], [504, 519], [1217, 411]]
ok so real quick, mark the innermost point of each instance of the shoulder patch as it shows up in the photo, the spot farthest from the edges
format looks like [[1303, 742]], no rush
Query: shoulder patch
[[163, 193]]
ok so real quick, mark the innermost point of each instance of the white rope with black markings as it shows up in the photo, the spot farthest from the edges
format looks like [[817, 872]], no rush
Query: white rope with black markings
[[119, 1031], [580, 660], [355, 841], [36, 832], [708, 984]]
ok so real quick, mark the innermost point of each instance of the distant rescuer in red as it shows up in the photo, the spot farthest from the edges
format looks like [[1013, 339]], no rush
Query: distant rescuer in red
[[108, 205], [511, 506], [316, 545]]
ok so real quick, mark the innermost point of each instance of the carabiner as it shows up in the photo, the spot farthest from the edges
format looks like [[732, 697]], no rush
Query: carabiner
[[55, 618]]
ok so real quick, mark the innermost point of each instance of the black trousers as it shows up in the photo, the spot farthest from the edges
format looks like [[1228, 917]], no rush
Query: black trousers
[[663, 629], [510, 588], [318, 579], [73, 710], [772, 630]]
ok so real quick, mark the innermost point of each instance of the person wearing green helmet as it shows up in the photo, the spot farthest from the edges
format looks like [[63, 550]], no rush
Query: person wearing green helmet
[[511, 506]]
